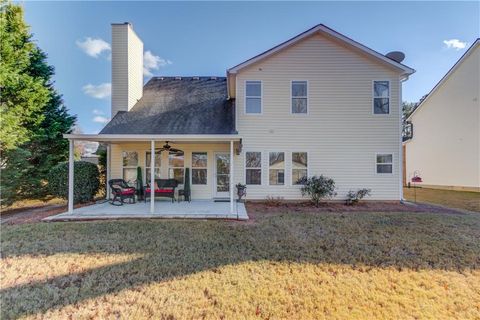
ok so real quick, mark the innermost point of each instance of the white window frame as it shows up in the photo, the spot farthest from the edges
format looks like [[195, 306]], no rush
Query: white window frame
[[389, 97], [129, 167], [284, 168], [145, 171], [245, 98], [169, 167], [191, 162], [261, 168], [392, 163], [307, 97], [291, 167]]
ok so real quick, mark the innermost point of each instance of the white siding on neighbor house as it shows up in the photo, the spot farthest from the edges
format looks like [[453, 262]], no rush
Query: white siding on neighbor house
[[198, 191], [340, 132], [445, 149], [127, 68]]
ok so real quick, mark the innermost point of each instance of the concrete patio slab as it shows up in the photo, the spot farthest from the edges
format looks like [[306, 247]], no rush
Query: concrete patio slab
[[196, 209]]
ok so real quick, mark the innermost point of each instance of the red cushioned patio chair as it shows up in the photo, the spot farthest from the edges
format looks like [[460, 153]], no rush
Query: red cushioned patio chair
[[121, 191], [163, 188]]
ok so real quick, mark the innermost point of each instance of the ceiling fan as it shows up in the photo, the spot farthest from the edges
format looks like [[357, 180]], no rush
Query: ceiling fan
[[167, 147]]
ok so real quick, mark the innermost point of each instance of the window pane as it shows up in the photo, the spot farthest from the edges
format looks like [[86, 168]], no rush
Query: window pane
[[380, 88], [254, 105], [299, 105], [299, 160], [277, 160], [253, 176], [223, 163], [299, 88], [147, 174], [199, 159], [384, 168], [384, 158], [130, 175], [381, 105], [298, 174], [158, 158], [277, 176], [254, 89], [176, 159], [130, 158], [253, 160], [199, 176], [177, 174], [223, 183]]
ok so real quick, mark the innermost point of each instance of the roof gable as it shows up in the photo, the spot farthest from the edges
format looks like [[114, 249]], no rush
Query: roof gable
[[457, 64], [330, 32]]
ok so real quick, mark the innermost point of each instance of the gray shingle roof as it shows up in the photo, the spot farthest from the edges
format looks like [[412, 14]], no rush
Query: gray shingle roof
[[178, 105]]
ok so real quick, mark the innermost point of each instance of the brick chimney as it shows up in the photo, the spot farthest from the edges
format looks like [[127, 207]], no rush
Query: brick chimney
[[127, 67]]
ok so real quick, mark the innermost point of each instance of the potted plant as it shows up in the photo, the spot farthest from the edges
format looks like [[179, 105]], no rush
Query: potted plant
[[241, 191]]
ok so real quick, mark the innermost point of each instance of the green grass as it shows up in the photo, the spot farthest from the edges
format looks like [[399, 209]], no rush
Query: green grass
[[301, 266], [449, 198]]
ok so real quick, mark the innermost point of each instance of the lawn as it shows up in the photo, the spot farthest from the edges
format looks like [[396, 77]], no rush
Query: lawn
[[449, 198], [285, 265]]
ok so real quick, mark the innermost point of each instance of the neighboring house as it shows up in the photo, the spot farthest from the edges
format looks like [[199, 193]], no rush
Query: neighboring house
[[319, 103], [444, 149]]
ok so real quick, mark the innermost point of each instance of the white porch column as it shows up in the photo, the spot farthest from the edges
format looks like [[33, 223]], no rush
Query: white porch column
[[109, 156], [231, 177], [70, 174], [152, 176]]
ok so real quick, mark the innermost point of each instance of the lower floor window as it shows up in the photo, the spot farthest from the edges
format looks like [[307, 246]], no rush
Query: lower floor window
[[253, 168], [384, 163], [176, 161], [299, 167], [130, 164], [276, 172], [199, 167]]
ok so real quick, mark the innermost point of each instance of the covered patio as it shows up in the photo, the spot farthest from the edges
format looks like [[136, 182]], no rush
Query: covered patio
[[196, 209], [211, 207]]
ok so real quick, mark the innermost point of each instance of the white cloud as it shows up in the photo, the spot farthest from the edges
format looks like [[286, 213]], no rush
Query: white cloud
[[98, 112], [94, 47], [455, 44], [101, 91], [100, 119], [152, 62]]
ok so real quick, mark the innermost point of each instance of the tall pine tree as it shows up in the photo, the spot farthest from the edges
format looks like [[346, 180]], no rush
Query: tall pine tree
[[27, 159]]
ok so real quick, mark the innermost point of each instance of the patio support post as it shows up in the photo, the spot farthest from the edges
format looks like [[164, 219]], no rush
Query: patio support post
[[70, 174], [109, 155], [152, 176], [231, 177]]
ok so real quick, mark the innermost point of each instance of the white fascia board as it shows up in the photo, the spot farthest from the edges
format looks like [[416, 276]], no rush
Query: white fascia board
[[156, 137]]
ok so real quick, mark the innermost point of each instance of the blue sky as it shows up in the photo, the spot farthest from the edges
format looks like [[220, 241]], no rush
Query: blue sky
[[206, 38]]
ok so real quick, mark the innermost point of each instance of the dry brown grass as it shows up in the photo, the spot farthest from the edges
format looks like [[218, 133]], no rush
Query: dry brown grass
[[290, 265], [449, 198]]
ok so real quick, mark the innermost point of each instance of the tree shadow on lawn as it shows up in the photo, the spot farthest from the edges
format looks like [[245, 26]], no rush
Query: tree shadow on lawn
[[181, 248]]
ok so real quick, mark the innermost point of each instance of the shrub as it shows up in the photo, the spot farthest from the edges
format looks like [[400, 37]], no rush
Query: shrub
[[318, 188], [86, 181], [272, 201], [354, 197]]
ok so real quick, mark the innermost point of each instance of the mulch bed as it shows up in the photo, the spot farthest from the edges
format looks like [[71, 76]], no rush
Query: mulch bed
[[34, 214], [254, 207]]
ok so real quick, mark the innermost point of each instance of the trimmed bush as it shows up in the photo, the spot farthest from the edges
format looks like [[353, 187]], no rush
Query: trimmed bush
[[318, 188], [86, 181], [354, 197]]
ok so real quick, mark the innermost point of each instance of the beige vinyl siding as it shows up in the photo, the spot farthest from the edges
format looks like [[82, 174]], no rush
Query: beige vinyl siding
[[340, 132], [198, 191], [445, 149], [127, 68]]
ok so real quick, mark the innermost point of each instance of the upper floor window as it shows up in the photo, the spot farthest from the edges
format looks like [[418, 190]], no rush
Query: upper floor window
[[381, 97], [384, 163], [253, 97], [299, 97]]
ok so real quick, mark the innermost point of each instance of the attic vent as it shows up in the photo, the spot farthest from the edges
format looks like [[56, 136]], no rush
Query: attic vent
[[161, 78], [178, 78], [196, 78], [396, 56], [213, 78]]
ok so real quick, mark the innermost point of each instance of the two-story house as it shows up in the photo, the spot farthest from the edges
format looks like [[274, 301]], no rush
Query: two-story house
[[319, 103]]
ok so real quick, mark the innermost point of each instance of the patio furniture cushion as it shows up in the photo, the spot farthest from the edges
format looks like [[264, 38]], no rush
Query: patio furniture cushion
[[160, 190], [127, 191]]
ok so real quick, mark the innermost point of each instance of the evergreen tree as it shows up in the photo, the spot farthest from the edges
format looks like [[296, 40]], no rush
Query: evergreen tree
[[33, 116]]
